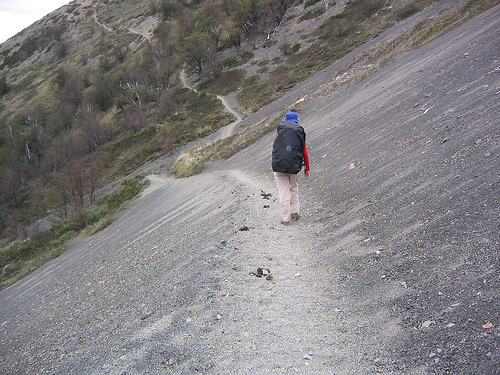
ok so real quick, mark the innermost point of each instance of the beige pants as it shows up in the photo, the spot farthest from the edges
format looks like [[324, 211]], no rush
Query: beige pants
[[288, 188]]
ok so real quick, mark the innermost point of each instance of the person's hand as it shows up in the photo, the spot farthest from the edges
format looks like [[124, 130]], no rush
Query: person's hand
[[308, 173]]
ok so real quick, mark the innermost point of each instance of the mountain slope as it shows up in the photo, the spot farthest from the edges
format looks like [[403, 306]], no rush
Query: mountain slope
[[94, 90], [393, 267]]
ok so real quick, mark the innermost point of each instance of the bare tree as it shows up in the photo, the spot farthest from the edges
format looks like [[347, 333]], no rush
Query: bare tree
[[93, 128], [32, 132], [77, 185], [11, 183], [134, 119]]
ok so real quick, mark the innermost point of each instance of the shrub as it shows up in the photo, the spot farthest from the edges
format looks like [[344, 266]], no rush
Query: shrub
[[310, 3], [68, 225], [231, 62], [96, 213], [295, 48], [128, 190], [262, 63], [313, 13], [270, 43], [246, 56], [406, 11], [3, 86]]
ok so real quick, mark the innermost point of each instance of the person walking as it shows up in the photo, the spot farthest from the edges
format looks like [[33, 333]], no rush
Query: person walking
[[288, 156]]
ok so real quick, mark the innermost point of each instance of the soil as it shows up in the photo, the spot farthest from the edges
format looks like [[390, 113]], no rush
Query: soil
[[393, 267]]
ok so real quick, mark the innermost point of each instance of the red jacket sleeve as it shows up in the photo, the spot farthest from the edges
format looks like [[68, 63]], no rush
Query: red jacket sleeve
[[306, 158]]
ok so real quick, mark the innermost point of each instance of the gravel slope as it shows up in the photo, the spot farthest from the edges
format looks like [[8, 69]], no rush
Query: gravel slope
[[392, 269]]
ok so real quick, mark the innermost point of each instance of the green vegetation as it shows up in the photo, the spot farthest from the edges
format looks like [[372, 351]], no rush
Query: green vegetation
[[193, 161], [19, 258], [311, 3], [313, 13], [224, 83]]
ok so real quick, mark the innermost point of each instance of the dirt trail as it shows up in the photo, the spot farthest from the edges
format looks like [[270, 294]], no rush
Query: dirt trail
[[231, 128], [225, 131], [143, 29], [101, 24]]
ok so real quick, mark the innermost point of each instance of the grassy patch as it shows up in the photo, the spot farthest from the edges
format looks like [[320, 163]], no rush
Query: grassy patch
[[418, 35], [313, 13], [311, 3], [193, 161], [22, 257], [226, 82], [126, 154]]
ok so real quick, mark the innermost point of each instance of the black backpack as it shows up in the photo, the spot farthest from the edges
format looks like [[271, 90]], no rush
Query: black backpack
[[288, 148]]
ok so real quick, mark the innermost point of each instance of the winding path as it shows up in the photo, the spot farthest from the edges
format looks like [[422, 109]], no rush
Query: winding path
[[101, 24], [225, 131], [145, 35]]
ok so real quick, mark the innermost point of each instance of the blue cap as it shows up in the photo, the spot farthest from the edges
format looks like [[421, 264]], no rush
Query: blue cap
[[291, 116]]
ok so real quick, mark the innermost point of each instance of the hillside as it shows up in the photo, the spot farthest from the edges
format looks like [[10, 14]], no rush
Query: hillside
[[392, 269], [93, 90]]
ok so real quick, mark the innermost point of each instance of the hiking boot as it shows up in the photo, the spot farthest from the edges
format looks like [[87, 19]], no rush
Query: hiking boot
[[295, 217], [285, 222]]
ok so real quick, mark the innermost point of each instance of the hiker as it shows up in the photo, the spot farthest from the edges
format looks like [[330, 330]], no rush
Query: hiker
[[288, 156]]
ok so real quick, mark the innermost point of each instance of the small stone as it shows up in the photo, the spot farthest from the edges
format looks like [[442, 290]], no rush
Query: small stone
[[146, 314], [488, 325], [428, 323], [218, 317]]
